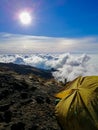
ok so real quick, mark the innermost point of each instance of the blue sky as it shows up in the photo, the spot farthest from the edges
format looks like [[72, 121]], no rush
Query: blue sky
[[62, 20]]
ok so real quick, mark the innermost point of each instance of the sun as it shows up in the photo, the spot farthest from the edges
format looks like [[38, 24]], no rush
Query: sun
[[25, 18]]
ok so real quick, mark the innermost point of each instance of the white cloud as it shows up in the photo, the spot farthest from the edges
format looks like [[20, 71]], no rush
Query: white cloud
[[68, 66], [15, 43]]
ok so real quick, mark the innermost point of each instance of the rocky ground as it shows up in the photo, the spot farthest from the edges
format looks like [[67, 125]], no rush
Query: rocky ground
[[27, 98]]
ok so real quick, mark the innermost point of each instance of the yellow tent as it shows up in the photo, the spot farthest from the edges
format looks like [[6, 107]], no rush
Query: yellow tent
[[78, 107]]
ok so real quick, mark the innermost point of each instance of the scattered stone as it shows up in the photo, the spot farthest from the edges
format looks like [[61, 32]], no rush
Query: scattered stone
[[20, 86], [4, 107], [24, 95], [18, 126], [34, 127], [33, 88], [1, 117], [48, 100], [39, 99], [4, 94], [7, 116]]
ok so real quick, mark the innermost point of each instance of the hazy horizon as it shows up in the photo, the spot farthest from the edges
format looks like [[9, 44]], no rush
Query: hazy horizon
[[16, 43]]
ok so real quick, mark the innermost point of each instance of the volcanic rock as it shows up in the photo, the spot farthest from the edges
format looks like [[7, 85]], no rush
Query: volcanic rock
[[27, 98]]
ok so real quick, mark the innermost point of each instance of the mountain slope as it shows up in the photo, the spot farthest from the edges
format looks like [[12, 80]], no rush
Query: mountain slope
[[26, 98], [23, 69]]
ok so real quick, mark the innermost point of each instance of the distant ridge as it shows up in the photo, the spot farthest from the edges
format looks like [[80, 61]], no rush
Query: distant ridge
[[25, 69]]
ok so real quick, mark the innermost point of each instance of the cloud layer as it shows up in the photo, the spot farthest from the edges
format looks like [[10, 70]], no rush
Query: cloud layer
[[14, 43], [68, 66]]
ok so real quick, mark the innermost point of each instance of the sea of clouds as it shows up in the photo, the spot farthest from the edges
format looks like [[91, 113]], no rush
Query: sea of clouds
[[68, 66]]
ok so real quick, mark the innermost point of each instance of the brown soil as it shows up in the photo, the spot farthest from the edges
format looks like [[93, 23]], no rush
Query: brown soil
[[26, 98]]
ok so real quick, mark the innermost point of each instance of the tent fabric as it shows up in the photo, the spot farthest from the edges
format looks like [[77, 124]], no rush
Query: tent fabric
[[78, 107]]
